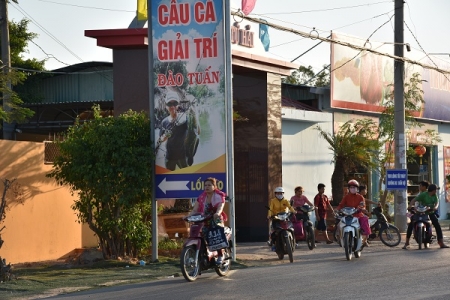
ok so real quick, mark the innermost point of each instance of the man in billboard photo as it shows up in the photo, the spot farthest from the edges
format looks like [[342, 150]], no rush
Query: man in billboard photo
[[179, 133]]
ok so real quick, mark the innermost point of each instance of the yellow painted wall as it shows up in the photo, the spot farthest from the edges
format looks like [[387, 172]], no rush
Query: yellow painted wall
[[44, 226]]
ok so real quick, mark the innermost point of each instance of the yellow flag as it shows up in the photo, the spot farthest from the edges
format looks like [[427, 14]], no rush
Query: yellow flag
[[142, 10]]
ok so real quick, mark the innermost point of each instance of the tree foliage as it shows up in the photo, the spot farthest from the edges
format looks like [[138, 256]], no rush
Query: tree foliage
[[306, 75], [19, 38], [368, 144], [350, 147], [106, 162], [12, 110]]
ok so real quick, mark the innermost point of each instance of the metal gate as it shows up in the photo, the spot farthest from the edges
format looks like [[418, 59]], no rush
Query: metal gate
[[251, 194]]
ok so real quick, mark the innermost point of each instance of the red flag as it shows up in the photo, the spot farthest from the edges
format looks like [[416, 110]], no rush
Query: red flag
[[248, 6]]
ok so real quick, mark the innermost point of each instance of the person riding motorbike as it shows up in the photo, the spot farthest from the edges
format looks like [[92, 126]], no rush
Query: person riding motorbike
[[429, 198], [353, 199], [277, 205], [211, 201]]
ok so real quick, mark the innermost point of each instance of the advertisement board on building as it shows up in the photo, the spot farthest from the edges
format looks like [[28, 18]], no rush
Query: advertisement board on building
[[361, 80], [189, 79], [447, 172]]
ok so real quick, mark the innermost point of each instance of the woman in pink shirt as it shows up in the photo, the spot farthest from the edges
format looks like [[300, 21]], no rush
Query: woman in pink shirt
[[299, 199]]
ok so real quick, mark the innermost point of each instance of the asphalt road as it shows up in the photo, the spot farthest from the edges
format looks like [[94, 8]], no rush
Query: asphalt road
[[323, 273]]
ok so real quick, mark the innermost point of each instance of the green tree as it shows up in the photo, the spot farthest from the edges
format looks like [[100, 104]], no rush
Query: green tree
[[351, 149], [368, 144], [306, 75], [107, 162], [19, 39], [414, 102]]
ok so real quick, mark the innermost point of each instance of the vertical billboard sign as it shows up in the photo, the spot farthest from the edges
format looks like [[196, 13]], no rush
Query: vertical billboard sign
[[447, 172], [189, 95]]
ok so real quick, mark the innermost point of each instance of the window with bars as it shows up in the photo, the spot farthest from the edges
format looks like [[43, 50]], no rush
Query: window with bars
[[51, 151]]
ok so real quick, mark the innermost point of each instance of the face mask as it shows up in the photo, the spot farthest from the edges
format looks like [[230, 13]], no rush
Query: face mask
[[279, 197], [353, 189]]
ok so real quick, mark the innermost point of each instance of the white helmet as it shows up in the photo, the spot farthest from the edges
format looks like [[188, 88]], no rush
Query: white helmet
[[279, 190]]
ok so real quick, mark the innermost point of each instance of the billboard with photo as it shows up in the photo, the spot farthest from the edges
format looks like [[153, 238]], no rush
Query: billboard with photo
[[363, 81], [189, 79]]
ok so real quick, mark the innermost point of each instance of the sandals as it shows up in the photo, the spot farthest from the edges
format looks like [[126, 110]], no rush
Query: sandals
[[329, 242], [405, 247]]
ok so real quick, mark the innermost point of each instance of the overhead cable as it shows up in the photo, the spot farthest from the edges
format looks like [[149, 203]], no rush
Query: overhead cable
[[329, 40]]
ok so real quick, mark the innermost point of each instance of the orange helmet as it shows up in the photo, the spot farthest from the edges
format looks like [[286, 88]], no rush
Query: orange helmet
[[353, 182]]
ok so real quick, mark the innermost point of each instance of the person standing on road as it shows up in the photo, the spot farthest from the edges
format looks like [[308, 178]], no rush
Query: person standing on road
[[321, 203]]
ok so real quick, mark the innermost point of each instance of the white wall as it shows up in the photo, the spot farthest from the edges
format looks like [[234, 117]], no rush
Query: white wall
[[306, 157]]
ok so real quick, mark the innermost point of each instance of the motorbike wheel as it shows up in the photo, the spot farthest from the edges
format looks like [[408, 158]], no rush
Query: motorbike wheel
[[390, 236], [187, 262], [358, 252], [289, 247], [223, 269], [348, 245], [420, 238], [311, 239], [279, 248], [336, 233]]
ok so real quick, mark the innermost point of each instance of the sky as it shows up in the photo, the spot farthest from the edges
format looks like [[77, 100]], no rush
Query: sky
[[60, 25]]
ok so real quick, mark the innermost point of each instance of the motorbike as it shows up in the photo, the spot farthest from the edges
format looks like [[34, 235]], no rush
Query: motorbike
[[303, 227], [422, 226], [388, 233], [198, 255], [350, 233], [283, 235]]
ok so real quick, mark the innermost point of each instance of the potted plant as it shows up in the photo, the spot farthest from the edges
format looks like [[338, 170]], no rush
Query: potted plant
[[171, 218]]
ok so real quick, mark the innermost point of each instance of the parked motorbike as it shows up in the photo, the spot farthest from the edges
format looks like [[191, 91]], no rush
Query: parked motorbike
[[388, 233], [283, 235], [197, 255], [350, 233], [422, 226], [303, 227]]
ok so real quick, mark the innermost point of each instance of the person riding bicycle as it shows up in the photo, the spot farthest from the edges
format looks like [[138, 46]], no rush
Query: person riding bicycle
[[354, 199], [277, 205]]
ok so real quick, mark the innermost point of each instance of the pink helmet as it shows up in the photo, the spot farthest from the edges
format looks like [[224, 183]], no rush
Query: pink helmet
[[353, 182]]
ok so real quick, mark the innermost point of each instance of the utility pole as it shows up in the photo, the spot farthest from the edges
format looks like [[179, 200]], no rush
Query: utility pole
[[8, 129], [400, 203]]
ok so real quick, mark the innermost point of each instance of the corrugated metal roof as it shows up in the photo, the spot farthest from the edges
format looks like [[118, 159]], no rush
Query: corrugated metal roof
[[286, 102]]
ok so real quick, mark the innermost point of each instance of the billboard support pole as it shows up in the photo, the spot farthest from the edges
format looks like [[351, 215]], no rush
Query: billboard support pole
[[229, 122], [151, 112]]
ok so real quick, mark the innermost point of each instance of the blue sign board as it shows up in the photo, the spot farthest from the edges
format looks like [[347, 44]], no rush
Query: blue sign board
[[396, 179], [185, 185]]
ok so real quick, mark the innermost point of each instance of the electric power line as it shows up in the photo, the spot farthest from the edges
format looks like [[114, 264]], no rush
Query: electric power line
[[341, 43], [89, 7], [49, 55], [45, 30], [326, 9], [423, 49]]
